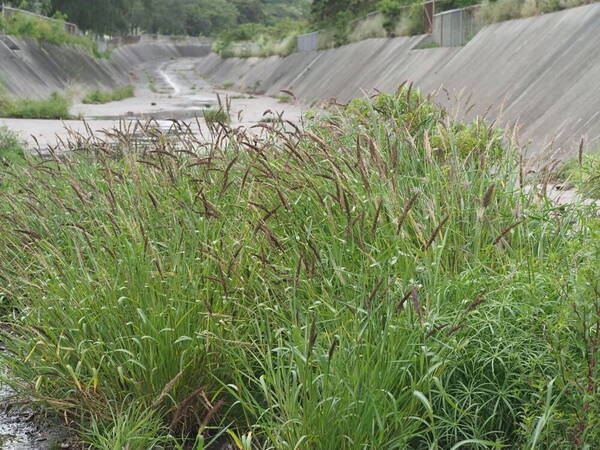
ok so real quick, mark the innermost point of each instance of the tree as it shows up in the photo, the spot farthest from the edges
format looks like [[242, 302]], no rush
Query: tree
[[325, 10], [192, 17]]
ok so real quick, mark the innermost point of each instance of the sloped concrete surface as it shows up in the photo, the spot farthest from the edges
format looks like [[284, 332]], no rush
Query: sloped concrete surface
[[33, 69], [540, 73]]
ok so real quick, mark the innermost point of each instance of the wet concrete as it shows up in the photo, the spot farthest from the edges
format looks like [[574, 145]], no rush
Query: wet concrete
[[22, 428]]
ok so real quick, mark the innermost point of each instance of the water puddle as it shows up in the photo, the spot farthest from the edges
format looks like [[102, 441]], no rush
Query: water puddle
[[22, 429]]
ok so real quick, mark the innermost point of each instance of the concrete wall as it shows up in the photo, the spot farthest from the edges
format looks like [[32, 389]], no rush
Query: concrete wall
[[31, 69], [542, 73]]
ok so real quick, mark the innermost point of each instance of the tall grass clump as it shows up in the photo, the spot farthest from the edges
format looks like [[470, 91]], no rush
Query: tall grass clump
[[584, 173], [56, 106], [376, 279], [11, 147], [98, 96]]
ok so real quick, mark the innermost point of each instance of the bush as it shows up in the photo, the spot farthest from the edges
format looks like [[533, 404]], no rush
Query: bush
[[98, 97], [379, 279], [54, 107]]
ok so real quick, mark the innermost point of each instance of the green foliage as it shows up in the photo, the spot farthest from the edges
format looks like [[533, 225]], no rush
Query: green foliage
[[285, 99], [325, 10], [54, 107], [173, 17], [379, 279], [216, 115], [98, 96], [501, 10], [52, 32], [11, 149], [253, 39], [585, 175], [130, 427]]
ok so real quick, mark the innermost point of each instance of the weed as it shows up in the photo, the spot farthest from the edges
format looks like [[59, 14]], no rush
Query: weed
[[284, 99], [99, 97], [428, 45], [11, 148], [216, 116], [54, 107], [584, 174]]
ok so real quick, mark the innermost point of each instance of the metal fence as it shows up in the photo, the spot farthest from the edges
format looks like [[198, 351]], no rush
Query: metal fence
[[456, 27], [308, 42], [7, 12]]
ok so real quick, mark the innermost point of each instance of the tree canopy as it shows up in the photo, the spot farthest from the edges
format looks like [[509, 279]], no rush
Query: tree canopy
[[190, 17]]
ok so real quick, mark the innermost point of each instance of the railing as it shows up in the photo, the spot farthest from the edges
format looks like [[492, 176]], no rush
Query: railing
[[308, 42], [7, 12], [456, 27]]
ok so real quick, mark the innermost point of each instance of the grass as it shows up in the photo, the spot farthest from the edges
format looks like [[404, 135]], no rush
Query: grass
[[11, 147], [428, 45], [584, 174], [378, 279], [284, 99], [216, 116], [227, 85], [54, 107], [99, 97]]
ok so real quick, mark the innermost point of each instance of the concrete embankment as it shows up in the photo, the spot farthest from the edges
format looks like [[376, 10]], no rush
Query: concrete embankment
[[542, 73], [32, 69]]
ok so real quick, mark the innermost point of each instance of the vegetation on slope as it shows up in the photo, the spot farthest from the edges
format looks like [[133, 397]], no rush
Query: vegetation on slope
[[378, 280], [54, 107], [98, 96], [52, 32]]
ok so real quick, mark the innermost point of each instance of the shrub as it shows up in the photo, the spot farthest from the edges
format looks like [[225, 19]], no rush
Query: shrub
[[98, 97]]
